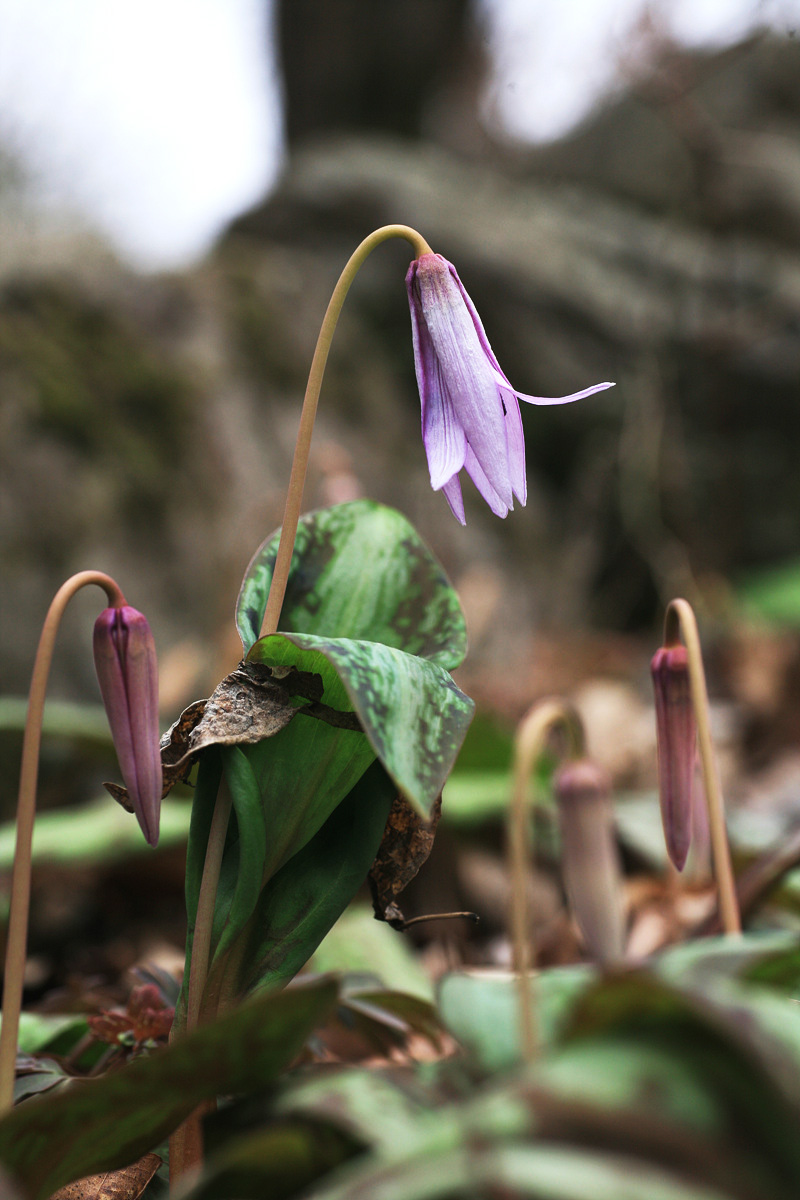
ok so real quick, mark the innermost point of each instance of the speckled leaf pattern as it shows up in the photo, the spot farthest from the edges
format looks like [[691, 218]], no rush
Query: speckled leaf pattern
[[359, 570], [414, 716]]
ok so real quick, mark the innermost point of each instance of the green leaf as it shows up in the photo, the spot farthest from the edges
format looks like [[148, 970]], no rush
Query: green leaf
[[410, 709], [94, 1125], [308, 895], [100, 832], [251, 843], [736, 1048], [280, 1161], [359, 943], [359, 570], [481, 1009]]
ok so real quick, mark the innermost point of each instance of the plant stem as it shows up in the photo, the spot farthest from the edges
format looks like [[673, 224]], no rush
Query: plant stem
[[529, 743], [294, 495], [680, 619], [16, 946]]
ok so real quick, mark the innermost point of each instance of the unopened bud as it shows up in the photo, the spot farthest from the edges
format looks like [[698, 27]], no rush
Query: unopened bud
[[676, 739], [590, 859], [125, 661]]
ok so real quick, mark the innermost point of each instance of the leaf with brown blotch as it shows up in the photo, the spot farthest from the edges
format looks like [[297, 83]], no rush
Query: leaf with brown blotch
[[407, 842], [254, 702], [127, 1184]]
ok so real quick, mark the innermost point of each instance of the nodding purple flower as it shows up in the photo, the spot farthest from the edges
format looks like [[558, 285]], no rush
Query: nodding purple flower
[[125, 661], [470, 411], [676, 740]]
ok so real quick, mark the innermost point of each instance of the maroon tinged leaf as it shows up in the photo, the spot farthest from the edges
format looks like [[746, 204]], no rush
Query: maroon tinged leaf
[[93, 1125]]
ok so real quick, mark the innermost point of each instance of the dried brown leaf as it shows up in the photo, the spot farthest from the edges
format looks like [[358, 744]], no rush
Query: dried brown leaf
[[254, 702], [407, 842], [125, 1184]]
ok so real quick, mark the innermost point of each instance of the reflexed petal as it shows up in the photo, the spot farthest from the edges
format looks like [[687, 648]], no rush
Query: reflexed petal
[[590, 391], [452, 492]]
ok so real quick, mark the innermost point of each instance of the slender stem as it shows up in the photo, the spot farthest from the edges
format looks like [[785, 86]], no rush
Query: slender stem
[[680, 617], [530, 741], [26, 811], [186, 1142], [206, 901], [294, 495]]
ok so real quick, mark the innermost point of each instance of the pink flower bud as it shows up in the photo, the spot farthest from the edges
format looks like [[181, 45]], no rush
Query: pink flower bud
[[590, 861], [125, 661], [676, 739]]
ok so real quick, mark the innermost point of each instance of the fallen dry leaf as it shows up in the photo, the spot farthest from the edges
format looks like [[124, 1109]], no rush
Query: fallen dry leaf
[[125, 1184]]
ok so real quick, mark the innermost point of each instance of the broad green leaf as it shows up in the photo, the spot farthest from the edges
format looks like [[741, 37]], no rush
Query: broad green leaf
[[772, 594], [100, 832], [734, 1048], [307, 896], [481, 1009], [410, 709], [767, 958], [359, 943], [280, 1161], [303, 773], [251, 843], [93, 1125], [62, 718], [359, 570], [539, 1171]]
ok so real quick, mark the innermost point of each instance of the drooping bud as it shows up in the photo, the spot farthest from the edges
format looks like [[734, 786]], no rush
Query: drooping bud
[[590, 860], [676, 740], [125, 661]]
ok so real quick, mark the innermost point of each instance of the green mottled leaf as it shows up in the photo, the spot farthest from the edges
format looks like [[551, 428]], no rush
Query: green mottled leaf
[[93, 1125], [359, 570], [410, 709]]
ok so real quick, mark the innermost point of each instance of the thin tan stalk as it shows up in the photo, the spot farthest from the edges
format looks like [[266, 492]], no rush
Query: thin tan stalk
[[680, 620], [294, 495], [530, 741], [186, 1142], [16, 947]]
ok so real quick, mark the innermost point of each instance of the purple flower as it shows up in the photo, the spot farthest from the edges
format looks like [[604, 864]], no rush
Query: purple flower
[[125, 661], [470, 412], [676, 740]]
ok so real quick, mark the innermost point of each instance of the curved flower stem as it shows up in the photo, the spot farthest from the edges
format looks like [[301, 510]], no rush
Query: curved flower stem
[[680, 621], [531, 739], [294, 495], [26, 811], [186, 1145]]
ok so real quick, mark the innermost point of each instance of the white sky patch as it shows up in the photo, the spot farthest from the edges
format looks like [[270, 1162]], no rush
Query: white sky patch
[[159, 118], [554, 61]]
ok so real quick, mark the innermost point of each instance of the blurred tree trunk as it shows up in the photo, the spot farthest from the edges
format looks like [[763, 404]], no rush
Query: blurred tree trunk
[[361, 66]]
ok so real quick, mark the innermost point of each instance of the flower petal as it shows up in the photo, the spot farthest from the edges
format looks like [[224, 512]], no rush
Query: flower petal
[[590, 391], [516, 446], [452, 493], [476, 473], [442, 435]]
